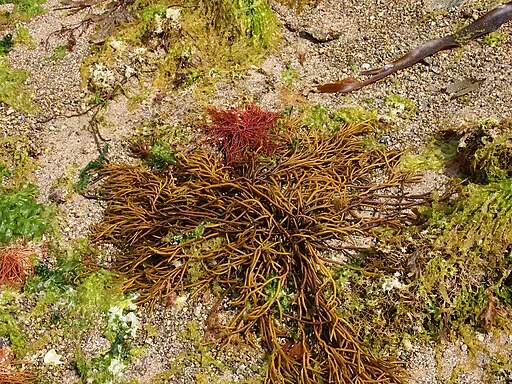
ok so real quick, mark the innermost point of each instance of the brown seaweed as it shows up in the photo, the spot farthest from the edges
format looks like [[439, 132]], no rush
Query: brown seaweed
[[486, 24], [258, 231]]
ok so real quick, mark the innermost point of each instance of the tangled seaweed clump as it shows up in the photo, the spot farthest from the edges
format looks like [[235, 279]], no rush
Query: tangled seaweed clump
[[9, 371], [15, 265], [258, 230], [243, 133]]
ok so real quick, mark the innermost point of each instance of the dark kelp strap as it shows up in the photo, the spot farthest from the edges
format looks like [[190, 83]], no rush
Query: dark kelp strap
[[488, 23]]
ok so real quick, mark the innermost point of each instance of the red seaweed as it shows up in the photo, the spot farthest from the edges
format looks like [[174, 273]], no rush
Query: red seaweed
[[243, 132]]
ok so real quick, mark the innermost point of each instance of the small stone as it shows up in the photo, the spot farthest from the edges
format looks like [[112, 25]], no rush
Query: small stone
[[116, 44], [173, 14], [129, 72], [52, 358]]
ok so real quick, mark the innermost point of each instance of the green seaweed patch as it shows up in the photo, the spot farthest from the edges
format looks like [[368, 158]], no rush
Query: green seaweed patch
[[402, 107], [203, 41], [376, 304], [161, 155], [23, 37], [435, 156], [289, 75], [158, 144], [198, 353], [17, 160], [479, 223], [6, 44], [69, 289], [73, 300], [23, 10], [84, 176], [483, 150], [468, 269], [121, 327], [493, 160], [21, 216], [59, 52], [169, 135], [11, 87], [318, 117], [27, 9], [494, 39], [9, 327], [107, 367], [447, 276]]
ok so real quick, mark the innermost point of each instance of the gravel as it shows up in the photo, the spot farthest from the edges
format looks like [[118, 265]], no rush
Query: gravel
[[322, 44]]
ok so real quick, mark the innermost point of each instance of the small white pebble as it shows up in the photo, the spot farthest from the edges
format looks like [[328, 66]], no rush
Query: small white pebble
[[116, 44], [181, 301], [173, 14], [52, 358]]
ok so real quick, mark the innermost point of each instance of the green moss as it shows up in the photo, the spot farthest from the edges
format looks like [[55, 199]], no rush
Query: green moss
[[11, 87]]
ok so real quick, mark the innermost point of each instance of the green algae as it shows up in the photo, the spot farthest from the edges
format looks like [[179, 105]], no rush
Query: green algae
[[12, 91]]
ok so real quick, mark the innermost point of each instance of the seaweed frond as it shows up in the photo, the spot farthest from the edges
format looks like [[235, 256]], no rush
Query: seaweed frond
[[243, 132], [260, 233], [15, 265], [9, 374]]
